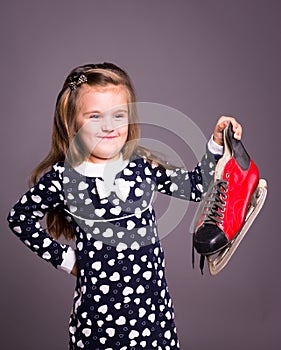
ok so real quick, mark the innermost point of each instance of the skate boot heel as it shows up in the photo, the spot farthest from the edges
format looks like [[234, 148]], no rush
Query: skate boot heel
[[230, 205]]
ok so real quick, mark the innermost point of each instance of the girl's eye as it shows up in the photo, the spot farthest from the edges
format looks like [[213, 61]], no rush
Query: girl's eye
[[120, 116], [94, 116]]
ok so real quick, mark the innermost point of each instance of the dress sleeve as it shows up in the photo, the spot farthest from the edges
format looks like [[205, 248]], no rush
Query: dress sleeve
[[188, 185], [24, 220]]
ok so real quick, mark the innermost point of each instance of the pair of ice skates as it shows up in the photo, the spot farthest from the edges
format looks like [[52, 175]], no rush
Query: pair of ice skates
[[229, 207]]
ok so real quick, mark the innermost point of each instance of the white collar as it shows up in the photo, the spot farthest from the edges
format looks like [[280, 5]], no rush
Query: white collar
[[106, 171]]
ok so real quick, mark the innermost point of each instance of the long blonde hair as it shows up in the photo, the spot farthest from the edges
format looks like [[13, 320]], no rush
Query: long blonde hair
[[64, 128]]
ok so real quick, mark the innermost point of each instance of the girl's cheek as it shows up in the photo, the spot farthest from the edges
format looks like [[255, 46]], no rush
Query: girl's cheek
[[91, 128], [88, 135]]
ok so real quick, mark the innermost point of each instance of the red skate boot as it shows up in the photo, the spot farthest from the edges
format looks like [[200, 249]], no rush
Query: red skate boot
[[230, 205]]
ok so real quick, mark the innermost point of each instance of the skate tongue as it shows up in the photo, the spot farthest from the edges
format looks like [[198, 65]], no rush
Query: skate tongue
[[232, 148], [227, 154]]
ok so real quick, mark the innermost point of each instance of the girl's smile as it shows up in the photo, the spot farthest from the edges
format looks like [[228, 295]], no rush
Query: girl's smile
[[102, 121]]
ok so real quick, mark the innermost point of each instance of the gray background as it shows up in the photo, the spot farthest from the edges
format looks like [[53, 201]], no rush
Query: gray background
[[204, 58]]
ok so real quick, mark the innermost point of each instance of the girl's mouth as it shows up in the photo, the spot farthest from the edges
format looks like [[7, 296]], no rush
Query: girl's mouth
[[107, 137]]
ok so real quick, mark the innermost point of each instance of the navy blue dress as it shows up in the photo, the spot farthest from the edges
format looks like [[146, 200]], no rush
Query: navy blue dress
[[121, 300]]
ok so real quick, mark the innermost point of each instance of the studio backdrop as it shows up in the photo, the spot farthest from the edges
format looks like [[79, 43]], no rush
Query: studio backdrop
[[195, 59]]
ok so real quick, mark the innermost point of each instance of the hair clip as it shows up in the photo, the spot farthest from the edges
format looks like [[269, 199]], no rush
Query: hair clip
[[77, 80]]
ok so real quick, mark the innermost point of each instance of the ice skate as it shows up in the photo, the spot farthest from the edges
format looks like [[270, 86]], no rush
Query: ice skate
[[230, 205]]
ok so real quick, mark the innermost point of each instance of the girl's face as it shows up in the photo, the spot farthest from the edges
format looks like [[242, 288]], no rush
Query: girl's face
[[102, 117]]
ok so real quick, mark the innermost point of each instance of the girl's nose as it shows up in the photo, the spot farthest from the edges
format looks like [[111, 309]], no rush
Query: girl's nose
[[107, 124]]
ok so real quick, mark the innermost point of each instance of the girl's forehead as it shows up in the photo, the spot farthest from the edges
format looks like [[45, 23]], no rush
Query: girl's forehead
[[103, 96], [98, 89]]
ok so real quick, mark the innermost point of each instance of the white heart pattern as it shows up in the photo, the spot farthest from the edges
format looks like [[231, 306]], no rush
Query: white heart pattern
[[138, 192], [87, 332], [108, 233], [100, 212], [82, 186], [130, 225], [127, 171], [103, 309], [104, 288], [121, 320], [115, 210], [36, 199], [115, 277], [46, 242]]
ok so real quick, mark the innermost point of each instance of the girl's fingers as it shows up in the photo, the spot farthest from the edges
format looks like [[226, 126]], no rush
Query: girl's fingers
[[236, 127]]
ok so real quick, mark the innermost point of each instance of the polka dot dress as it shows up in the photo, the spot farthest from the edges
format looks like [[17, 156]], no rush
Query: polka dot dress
[[121, 299]]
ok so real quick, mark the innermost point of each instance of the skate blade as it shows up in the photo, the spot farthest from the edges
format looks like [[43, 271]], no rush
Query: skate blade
[[217, 263]]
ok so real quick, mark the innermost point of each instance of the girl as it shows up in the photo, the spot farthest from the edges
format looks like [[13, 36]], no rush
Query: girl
[[97, 188]]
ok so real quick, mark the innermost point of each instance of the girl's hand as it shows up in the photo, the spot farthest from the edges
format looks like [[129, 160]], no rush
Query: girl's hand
[[222, 124]]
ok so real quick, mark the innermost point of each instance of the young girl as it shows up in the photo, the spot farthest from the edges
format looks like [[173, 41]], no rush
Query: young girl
[[97, 188]]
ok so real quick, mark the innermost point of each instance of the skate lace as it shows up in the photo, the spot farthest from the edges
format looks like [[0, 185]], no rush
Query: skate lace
[[215, 200]]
